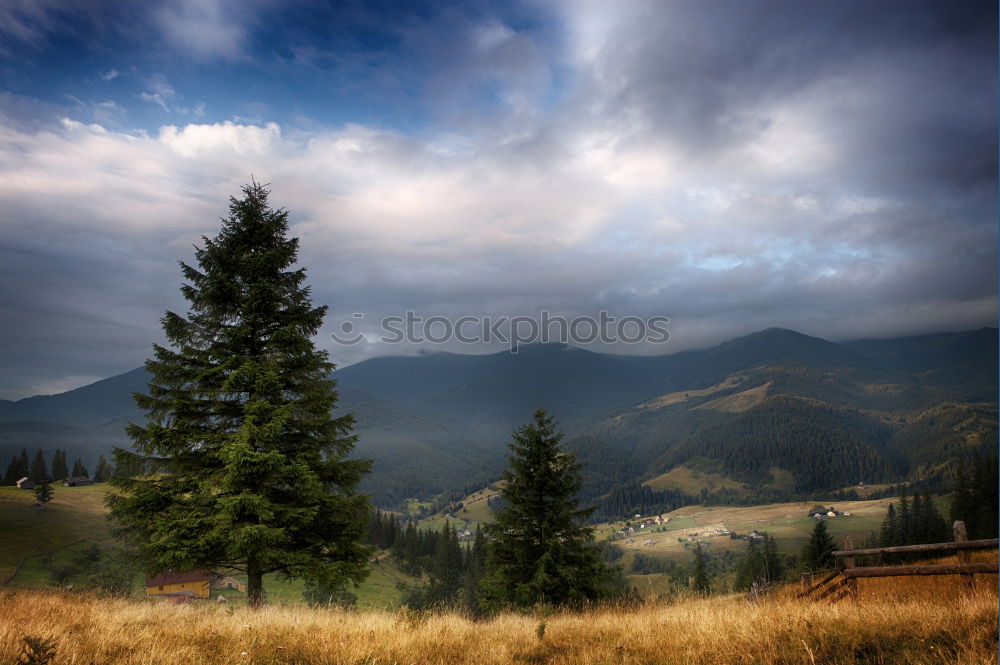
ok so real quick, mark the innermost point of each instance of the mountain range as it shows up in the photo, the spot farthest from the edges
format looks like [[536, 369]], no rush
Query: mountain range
[[772, 415]]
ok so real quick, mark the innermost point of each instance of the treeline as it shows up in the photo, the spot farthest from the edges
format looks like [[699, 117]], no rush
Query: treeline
[[821, 447], [450, 570], [975, 499], [721, 570], [912, 521], [916, 520], [633, 498], [40, 472], [761, 564]]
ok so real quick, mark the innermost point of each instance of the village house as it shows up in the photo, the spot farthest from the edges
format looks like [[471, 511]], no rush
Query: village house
[[77, 481], [26, 483], [194, 584], [229, 582]]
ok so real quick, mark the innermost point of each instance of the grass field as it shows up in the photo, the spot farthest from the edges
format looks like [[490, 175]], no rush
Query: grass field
[[75, 518], [887, 626], [475, 510], [786, 522], [692, 482], [73, 515]]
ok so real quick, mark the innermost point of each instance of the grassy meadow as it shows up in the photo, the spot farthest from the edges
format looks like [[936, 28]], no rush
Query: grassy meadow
[[788, 523], [76, 517], [894, 620], [903, 620]]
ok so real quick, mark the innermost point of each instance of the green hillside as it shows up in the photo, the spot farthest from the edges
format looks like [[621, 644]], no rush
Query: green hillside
[[75, 518], [819, 414], [75, 514]]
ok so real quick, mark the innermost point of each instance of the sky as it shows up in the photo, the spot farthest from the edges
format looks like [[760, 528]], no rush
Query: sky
[[827, 166]]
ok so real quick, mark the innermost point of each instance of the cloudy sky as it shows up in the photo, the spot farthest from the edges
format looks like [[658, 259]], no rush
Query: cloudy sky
[[826, 166]]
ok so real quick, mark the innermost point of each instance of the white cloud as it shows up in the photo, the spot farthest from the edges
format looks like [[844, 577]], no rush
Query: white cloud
[[483, 225], [642, 169], [222, 139], [110, 75], [204, 29], [154, 98]]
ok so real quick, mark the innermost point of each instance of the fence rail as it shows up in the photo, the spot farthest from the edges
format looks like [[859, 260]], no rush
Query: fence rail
[[933, 547], [849, 574]]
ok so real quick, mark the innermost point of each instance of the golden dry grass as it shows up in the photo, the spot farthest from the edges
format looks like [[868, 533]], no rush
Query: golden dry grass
[[950, 628]]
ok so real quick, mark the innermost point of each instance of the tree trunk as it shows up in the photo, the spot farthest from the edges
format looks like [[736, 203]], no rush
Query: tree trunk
[[255, 585]]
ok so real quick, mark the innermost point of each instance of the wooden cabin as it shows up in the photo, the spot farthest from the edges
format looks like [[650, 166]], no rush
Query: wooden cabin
[[194, 583], [229, 582], [77, 481]]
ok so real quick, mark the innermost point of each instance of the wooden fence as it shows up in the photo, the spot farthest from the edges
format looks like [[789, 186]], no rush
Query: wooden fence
[[842, 582]]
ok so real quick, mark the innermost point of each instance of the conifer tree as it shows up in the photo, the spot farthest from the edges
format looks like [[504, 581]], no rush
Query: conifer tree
[[541, 551], [774, 564], [905, 519], [241, 465], [103, 470], [701, 581], [39, 470], [44, 493], [751, 567], [12, 475], [937, 529], [59, 468], [23, 464], [984, 490], [818, 552], [475, 569], [79, 469], [889, 532]]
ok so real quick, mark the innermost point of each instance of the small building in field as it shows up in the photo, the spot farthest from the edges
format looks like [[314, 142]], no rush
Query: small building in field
[[229, 582], [77, 481], [193, 583], [26, 483]]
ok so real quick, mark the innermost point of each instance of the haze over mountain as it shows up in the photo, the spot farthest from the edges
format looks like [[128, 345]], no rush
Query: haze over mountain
[[774, 414]]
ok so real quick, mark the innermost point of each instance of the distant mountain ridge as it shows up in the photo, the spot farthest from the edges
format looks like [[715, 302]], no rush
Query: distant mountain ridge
[[768, 403]]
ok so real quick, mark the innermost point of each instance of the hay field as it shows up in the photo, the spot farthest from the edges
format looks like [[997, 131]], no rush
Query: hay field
[[886, 626]]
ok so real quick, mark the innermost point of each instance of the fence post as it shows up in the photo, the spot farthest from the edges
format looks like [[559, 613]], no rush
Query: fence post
[[963, 555], [852, 583]]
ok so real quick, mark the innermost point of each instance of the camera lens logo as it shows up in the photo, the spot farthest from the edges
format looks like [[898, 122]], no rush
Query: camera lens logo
[[348, 335]]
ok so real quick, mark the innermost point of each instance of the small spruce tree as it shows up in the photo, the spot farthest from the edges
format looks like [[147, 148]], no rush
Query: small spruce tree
[[818, 552], [541, 552], [12, 475], [44, 493], [103, 470], [79, 469], [59, 469], [39, 470], [700, 581]]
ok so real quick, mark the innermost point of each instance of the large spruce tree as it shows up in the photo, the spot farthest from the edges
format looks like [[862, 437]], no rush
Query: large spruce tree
[[541, 552], [243, 465]]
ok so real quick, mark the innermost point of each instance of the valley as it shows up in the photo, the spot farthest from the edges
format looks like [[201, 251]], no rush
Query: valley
[[769, 417]]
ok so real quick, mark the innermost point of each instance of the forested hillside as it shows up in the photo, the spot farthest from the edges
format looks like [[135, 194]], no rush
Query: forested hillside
[[771, 416]]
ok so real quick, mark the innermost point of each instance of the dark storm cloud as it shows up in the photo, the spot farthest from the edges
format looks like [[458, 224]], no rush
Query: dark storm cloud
[[829, 167]]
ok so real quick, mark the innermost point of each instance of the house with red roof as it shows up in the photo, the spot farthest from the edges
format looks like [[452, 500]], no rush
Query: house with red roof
[[194, 583]]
